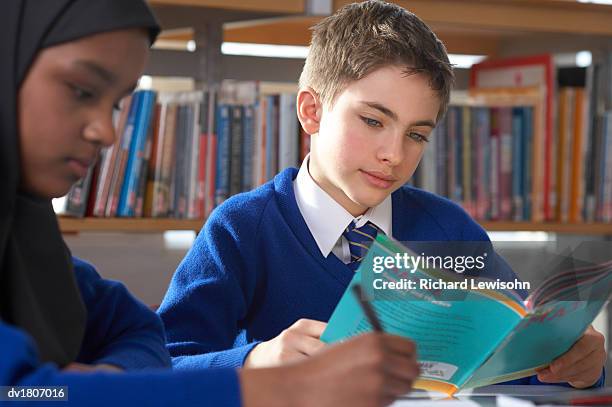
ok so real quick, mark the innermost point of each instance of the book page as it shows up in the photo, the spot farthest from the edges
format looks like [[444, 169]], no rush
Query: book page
[[563, 307], [454, 333]]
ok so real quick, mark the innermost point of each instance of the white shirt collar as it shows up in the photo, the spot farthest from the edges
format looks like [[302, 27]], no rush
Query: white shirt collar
[[326, 218]]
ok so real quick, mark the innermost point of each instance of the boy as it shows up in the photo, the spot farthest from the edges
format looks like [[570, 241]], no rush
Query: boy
[[374, 85]]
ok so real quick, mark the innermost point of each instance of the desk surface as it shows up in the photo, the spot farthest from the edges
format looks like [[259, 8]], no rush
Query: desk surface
[[500, 396]]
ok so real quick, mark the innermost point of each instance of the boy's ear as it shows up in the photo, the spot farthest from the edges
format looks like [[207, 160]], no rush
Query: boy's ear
[[309, 110]]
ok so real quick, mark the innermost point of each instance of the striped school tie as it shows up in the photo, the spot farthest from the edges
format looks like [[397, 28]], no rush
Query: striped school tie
[[359, 240]]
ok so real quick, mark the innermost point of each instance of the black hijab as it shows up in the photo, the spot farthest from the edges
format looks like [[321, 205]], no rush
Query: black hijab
[[38, 292]]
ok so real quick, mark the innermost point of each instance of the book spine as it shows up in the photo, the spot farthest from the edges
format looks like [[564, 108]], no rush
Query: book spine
[[495, 164], [194, 150], [482, 141], [271, 136], [142, 179], [223, 153], [109, 162], [202, 156], [606, 201], [578, 157], [518, 163], [237, 128], [211, 153], [178, 199], [76, 200], [248, 147], [155, 158], [127, 199], [122, 156], [505, 163], [527, 144], [287, 142], [162, 196]]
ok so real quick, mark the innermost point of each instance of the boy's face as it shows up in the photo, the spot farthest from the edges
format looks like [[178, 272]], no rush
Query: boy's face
[[371, 140], [66, 105]]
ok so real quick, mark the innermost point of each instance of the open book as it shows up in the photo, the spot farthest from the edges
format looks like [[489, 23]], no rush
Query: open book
[[473, 336]]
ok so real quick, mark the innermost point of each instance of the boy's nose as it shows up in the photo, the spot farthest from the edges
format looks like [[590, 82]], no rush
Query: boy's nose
[[391, 150]]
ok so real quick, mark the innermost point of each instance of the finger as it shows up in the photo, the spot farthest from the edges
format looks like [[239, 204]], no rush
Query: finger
[[586, 378], [585, 369], [395, 387], [577, 372], [580, 350], [399, 345], [594, 360], [307, 345], [309, 327], [291, 355], [402, 368]]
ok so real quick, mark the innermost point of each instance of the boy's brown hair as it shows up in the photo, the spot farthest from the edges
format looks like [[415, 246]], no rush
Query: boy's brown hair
[[362, 37]]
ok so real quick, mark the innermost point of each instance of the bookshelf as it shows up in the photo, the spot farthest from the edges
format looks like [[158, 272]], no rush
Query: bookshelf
[[132, 225], [466, 26]]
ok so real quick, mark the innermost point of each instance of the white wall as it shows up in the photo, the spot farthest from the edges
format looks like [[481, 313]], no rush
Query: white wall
[[142, 261]]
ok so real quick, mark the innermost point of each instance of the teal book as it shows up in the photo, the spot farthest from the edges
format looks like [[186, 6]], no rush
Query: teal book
[[474, 332]]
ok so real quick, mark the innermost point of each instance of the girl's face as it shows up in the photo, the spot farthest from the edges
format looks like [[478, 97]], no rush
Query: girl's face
[[66, 106]]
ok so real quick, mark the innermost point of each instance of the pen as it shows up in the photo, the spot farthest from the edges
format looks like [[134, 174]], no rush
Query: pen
[[367, 308]]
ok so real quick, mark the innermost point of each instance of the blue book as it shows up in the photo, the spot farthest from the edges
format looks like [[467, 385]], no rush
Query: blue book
[[223, 126], [518, 162], [469, 331], [142, 121]]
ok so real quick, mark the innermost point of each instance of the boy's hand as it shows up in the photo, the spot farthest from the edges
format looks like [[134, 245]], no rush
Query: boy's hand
[[84, 368], [581, 365], [296, 342], [369, 370]]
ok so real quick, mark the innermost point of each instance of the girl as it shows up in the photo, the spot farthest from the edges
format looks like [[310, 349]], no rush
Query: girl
[[66, 64]]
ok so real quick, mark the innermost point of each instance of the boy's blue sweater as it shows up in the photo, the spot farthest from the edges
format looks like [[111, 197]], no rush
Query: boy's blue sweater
[[123, 332], [255, 269]]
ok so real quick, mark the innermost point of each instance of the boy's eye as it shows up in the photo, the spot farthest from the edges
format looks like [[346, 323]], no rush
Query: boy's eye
[[371, 122], [419, 138]]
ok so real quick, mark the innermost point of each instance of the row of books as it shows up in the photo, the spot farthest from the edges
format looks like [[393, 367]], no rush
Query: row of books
[[480, 156], [180, 154], [571, 163], [486, 158]]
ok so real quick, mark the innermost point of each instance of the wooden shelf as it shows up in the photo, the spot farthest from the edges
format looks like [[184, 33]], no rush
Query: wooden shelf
[[268, 6], [465, 26], [534, 16], [73, 225]]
